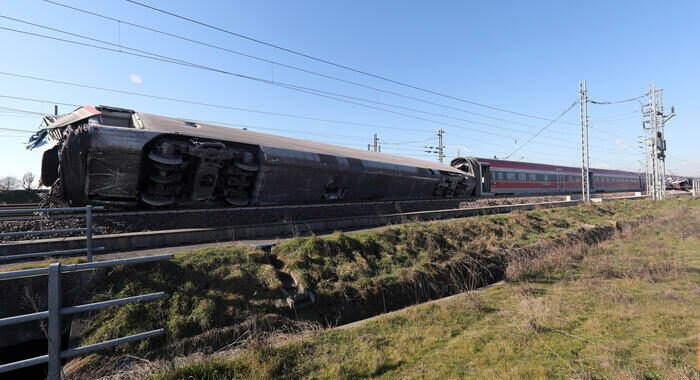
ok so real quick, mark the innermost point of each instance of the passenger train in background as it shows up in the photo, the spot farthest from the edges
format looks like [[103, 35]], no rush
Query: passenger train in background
[[123, 158], [515, 177]]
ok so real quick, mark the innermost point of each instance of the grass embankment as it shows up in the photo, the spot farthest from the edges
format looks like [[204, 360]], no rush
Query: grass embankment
[[218, 296], [356, 275], [625, 308]]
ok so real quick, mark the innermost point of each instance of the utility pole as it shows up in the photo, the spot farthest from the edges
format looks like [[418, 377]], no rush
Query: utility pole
[[653, 123], [55, 109], [375, 142], [441, 154], [585, 158], [440, 149]]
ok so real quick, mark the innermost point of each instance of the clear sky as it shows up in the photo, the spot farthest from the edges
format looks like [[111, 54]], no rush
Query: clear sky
[[524, 56]]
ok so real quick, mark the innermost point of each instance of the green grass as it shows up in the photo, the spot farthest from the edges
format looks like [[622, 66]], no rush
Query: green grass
[[623, 309], [206, 289], [366, 267]]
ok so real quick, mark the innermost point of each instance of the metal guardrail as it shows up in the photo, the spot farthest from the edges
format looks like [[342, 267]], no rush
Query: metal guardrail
[[88, 230], [55, 311]]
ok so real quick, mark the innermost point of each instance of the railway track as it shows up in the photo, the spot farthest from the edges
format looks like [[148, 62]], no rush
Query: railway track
[[250, 229], [19, 206], [112, 212]]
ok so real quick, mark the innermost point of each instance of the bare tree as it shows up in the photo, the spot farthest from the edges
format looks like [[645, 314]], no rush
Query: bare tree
[[8, 183], [28, 180]]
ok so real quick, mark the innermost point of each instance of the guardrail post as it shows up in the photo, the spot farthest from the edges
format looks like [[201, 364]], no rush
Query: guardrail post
[[54, 332], [88, 232]]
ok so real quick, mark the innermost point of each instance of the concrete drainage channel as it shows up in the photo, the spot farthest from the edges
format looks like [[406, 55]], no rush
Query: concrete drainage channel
[[169, 238], [295, 295]]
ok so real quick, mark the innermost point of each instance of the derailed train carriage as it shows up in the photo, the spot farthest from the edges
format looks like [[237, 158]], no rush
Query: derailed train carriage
[[119, 157]]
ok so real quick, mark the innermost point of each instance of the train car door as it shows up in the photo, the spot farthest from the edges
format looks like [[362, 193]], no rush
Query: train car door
[[591, 182], [485, 178], [560, 180]]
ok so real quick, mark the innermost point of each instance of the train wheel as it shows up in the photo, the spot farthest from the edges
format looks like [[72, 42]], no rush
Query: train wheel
[[165, 177]]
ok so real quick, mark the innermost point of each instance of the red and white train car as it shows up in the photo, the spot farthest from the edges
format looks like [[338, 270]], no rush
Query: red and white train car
[[515, 177]]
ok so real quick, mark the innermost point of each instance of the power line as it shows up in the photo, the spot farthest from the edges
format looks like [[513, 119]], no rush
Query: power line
[[279, 84], [409, 142], [619, 101], [16, 130], [246, 126], [199, 42], [25, 112], [336, 64], [319, 93], [616, 117], [416, 110], [38, 100], [284, 85], [220, 106], [543, 128]]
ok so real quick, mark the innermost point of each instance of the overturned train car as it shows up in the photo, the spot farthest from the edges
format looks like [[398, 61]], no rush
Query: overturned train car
[[119, 157]]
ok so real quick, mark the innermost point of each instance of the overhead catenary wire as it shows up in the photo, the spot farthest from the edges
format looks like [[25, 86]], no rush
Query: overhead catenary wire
[[16, 130], [157, 57], [407, 150], [636, 98], [278, 63], [410, 151], [205, 104], [21, 111], [238, 125], [337, 64], [543, 128], [313, 91], [221, 106], [279, 84], [294, 87], [408, 142], [417, 111], [38, 100], [572, 123]]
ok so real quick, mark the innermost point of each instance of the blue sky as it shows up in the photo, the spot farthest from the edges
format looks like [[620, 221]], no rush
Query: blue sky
[[521, 56]]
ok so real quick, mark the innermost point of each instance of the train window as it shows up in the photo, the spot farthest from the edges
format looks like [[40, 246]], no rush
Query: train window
[[499, 176], [522, 177], [532, 177], [540, 177], [510, 176], [116, 117]]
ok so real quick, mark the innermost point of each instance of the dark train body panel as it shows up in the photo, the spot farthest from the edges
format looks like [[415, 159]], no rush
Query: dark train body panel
[[114, 156]]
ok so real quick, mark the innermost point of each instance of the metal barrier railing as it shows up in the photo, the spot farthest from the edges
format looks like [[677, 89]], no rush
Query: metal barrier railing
[[88, 230], [55, 311]]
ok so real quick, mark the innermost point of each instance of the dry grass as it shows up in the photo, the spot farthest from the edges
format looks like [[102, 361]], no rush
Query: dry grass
[[621, 309]]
